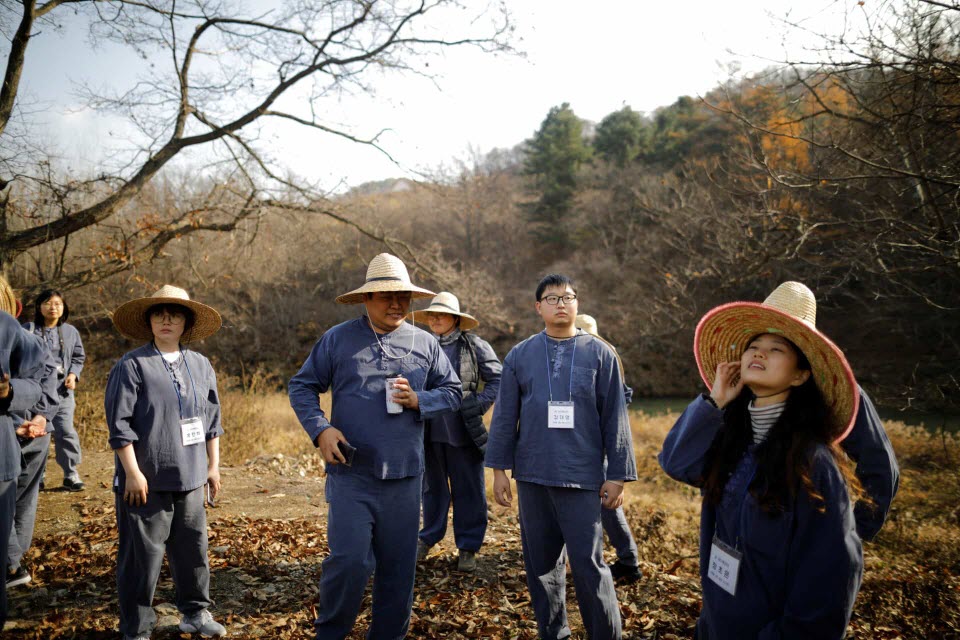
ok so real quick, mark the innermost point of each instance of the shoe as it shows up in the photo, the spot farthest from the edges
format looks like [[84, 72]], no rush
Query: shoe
[[18, 577], [625, 572], [422, 550], [139, 636], [73, 485], [467, 562], [203, 623]]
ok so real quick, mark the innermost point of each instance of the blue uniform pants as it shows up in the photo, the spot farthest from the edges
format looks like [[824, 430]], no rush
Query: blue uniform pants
[[555, 523], [455, 472], [371, 524], [173, 522], [65, 437], [8, 501], [28, 487], [618, 532]]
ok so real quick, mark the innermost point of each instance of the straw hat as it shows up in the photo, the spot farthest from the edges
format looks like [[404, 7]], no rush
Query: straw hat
[[446, 302], [791, 310], [589, 324], [384, 273], [131, 320]]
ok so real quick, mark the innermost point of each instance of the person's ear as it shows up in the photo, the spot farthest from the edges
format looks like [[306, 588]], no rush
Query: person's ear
[[802, 376]]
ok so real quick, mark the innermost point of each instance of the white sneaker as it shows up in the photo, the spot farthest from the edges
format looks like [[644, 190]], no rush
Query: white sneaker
[[139, 636], [203, 623]]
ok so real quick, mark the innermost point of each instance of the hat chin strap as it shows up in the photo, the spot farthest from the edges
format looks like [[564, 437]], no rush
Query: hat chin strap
[[776, 393]]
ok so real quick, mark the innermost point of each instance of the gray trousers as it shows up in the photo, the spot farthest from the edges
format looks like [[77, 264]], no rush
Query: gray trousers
[[65, 437], [8, 501], [28, 488], [557, 523], [618, 532], [173, 522]]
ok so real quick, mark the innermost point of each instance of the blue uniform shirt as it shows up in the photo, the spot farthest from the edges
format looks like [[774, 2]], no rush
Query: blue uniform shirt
[[348, 361], [800, 570], [22, 357], [143, 409], [519, 437], [449, 428]]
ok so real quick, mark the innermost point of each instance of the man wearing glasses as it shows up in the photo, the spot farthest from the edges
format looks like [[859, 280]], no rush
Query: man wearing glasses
[[559, 413]]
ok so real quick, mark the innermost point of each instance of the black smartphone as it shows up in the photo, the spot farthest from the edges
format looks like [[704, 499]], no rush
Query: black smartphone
[[347, 451]]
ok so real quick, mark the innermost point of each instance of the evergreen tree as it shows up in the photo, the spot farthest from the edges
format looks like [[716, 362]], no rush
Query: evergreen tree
[[621, 137], [553, 157]]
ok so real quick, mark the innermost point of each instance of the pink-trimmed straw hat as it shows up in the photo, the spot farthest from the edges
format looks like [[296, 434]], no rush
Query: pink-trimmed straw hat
[[791, 311]]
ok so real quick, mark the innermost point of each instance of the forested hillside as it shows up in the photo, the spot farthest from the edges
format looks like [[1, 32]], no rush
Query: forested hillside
[[842, 174]]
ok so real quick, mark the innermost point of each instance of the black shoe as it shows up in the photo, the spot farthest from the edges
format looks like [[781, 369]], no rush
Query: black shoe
[[18, 577], [625, 572], [73, 485]]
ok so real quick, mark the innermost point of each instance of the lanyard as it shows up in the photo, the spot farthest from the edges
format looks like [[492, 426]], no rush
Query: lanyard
[[546, 350], [174, 382], [40, 332]]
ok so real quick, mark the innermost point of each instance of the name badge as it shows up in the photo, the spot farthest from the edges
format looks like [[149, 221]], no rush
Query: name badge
[[724, 566], [191, 431], [560, 415]]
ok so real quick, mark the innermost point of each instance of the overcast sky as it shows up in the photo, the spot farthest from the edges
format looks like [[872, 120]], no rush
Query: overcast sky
[[598, 56]]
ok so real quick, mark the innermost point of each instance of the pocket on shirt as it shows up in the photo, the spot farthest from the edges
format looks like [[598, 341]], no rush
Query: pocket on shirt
[[584, 382]]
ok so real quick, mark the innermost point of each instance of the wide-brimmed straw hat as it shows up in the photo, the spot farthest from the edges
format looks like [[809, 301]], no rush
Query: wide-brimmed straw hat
[[131, 320], [446, 302], [791, 311], [385, 273], [589, 324]]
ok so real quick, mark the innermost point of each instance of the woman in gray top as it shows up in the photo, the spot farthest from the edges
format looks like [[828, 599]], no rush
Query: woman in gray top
[[63, 342], [163, 413]]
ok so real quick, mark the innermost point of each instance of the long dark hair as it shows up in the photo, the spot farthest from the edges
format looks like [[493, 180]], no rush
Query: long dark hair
[[783, 459], [46, 294]]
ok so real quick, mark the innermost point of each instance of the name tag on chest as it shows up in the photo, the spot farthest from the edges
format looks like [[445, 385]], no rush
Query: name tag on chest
[[560, 415], [191, 431], [724, 566]]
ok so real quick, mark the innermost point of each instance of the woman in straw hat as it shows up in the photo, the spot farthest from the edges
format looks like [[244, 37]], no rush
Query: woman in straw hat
[[22, 367], [163, 413], [63, 342], [372, 443], [779, 552], [455, 442]]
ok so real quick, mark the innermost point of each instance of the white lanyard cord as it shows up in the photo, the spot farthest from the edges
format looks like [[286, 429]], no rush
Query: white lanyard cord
[[383, 349]]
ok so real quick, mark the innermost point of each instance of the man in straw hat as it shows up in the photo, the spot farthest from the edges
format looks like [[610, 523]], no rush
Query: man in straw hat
[[385, 377], [559, 417], [22, 366], [615, 525], [779, 552], [456, 441], [163, 417]]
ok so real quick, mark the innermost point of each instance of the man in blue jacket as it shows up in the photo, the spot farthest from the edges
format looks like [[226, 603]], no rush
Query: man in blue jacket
[[560, 412], [374, 451]]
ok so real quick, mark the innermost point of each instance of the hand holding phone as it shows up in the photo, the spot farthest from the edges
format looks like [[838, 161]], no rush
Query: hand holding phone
[[347, 451]]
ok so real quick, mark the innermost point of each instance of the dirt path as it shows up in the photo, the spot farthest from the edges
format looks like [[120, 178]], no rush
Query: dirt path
[[264, 488]]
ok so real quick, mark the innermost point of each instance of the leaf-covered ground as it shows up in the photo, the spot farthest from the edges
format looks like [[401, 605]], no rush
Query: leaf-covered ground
[[267, 542]]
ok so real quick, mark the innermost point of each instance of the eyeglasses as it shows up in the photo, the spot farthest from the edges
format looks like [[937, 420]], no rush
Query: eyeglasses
[[553, 300], [172, 318], [51, 303]]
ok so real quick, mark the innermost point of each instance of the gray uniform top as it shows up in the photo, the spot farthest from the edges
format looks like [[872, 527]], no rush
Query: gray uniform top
[[349, 361], [73, 353], [143, 408], [22, 357], [519, 436]]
